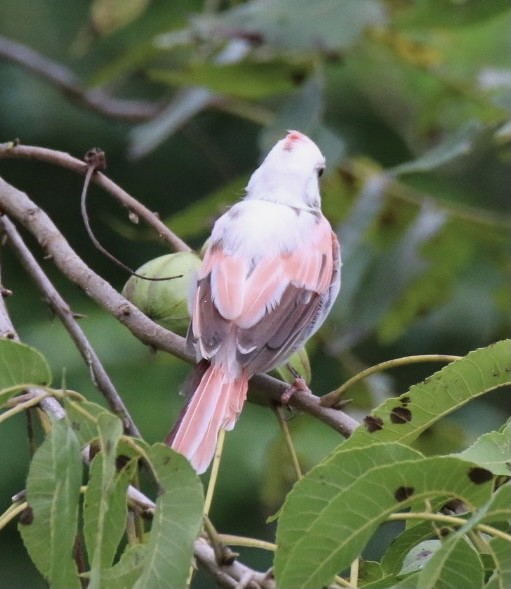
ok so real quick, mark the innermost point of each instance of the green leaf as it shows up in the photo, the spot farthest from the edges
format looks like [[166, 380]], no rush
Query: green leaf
[[404, 418], [83, 416], [438, 13], [324, 526], [176, 523], [53, 491], [297, 24], [456, 145], [492, 451], [247, 79], [501, 578], [20, 367], [105, 507], [126, 572], [456, 564], [185, 105]]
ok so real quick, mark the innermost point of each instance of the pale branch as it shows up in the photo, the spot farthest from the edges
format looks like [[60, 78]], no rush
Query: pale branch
[[99, 375], [97, 100], [18, 206], [64, 160]]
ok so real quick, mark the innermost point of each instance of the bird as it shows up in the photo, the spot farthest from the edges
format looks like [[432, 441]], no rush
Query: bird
[[269, 277]]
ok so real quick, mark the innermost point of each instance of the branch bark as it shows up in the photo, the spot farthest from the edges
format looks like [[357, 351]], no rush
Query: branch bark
[[97, 100], [266, 388]]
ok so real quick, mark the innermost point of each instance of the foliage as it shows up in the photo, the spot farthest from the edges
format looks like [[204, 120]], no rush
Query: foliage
[[409, 100]]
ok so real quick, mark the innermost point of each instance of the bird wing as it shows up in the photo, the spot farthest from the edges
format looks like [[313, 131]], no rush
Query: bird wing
[[270, 309]]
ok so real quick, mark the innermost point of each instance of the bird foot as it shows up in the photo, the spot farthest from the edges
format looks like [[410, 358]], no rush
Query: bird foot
[[298, 384]]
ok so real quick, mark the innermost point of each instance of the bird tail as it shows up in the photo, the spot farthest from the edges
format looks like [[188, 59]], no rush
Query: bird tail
[[215, 405]]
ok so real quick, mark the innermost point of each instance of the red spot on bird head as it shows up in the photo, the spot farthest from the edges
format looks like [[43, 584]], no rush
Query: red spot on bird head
[[291, 138]]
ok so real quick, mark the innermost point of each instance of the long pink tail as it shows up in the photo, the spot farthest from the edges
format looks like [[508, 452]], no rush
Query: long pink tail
[[215, 405]]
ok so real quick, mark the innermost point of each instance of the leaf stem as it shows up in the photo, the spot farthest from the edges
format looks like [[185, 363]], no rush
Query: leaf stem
[[214, 472], [289, 442], [449, 519], [11, 512], [246, 542], [331, 399]]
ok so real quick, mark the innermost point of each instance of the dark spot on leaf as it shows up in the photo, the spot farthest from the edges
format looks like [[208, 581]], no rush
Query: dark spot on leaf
[[121, 461], [495, 373], [373, 424], [75, 426], [444, 531], [403, 493], [479, 475], [26, 516], [400, 415], [404, 401], [108, 446], [166, 460], [454, 507], [298, 76]]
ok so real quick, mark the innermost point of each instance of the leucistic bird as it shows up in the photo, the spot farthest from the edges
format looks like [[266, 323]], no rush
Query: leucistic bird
[[269, 277]]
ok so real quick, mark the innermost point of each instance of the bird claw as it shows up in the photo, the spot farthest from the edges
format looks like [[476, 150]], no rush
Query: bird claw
[[298, 384]]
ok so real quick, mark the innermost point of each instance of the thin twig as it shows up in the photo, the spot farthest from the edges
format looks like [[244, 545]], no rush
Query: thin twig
[[64, 160], [99, 375], [96, 100]]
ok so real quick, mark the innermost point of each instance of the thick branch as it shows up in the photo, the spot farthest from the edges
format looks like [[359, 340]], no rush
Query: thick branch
[[17, 204], [62, 310], [64, 160], [63, 79]]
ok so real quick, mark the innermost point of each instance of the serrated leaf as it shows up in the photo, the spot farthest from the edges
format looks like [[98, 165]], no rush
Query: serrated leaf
[[404, 418], [21, 366], [176, 523], [105, 507], [322, 532], [492, 451], [53, 490], [297, 24]]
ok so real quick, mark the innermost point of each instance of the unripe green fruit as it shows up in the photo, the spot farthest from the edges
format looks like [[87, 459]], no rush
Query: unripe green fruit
[[165, 301]]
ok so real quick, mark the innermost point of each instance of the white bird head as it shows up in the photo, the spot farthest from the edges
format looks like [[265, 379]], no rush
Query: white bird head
[[289, 174]]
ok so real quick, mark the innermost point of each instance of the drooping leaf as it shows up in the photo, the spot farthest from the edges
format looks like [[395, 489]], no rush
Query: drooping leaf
[[105, 507], [20, 367], [53, 490], [176, 523], [126, 572], [324, 527]]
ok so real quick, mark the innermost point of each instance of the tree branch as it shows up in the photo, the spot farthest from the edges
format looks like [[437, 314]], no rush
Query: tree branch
[[65, 81], [64, 160], [267, 389], [99, 375]]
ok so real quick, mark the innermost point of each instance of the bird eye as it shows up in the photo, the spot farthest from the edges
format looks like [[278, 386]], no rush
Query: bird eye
[[320, 172]]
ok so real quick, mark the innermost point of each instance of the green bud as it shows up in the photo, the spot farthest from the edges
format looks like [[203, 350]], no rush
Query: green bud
[[165, 301]]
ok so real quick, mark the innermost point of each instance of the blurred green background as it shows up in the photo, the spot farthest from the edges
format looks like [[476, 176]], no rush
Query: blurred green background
[[409, 101]]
